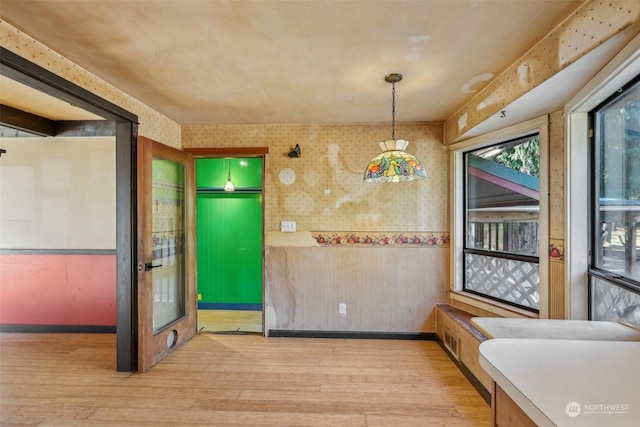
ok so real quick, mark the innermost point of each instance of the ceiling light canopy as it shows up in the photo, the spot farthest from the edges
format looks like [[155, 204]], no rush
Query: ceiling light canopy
[[394, 164]]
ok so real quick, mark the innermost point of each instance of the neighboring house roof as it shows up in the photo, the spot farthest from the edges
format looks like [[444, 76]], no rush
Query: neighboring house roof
[[494, 185]]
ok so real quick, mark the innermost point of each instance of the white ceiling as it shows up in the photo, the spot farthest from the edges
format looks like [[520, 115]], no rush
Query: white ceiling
[[268, 62]]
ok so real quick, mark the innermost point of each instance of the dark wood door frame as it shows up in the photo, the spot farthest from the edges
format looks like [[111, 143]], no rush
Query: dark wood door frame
[[20, 69]]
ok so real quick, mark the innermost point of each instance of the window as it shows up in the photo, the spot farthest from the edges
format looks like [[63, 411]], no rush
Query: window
[[501, 225], [614, 271]]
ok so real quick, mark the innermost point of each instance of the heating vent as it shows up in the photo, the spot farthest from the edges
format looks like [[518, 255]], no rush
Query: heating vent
[[452, 344]]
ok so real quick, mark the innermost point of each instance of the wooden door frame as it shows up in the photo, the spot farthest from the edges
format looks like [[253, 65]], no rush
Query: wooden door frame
[[20, 69], [218, 152]]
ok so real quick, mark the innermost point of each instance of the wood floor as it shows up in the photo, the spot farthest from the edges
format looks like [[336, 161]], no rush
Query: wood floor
[[229, 321], [235, 380]]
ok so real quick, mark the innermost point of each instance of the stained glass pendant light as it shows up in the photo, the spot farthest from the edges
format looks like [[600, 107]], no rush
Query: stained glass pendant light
[[394, 164], [229, 185]]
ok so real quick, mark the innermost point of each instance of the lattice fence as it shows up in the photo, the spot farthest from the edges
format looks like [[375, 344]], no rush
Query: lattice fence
[[517, 282], [614, 304]]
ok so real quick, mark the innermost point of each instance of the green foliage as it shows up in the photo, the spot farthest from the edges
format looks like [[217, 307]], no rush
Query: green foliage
[[523, 157], [620, 151]]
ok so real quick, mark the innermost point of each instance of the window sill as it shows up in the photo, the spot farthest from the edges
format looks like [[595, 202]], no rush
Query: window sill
[[492, 306]]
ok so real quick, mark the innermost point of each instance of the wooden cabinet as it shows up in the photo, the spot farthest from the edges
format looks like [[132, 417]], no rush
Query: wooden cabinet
[[505, 412], [461, 339]]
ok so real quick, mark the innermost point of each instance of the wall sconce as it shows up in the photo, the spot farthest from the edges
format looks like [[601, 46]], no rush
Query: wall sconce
[[295, 153]]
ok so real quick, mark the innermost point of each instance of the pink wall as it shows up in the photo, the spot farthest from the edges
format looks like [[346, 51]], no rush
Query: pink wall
[[58, 290]]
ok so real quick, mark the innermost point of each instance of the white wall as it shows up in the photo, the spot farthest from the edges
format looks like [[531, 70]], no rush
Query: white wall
[[58, 193]]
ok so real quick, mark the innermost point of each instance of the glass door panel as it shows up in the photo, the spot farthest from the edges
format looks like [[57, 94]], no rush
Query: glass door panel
[[168, 231]]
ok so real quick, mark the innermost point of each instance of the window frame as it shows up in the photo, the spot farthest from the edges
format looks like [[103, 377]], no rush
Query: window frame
[[595, 272], [539, 125], [619, 71], [489, 252]]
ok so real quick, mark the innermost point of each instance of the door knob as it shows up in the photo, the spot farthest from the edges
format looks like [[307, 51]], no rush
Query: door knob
[[147, 266]]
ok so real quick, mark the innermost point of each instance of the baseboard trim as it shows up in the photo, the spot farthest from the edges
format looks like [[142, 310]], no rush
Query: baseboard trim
[[65, 329], [424, 336], [484, 393], [229, 306]]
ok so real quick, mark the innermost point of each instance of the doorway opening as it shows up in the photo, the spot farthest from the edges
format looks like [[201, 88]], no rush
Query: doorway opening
[[229, 224], [124, 124]]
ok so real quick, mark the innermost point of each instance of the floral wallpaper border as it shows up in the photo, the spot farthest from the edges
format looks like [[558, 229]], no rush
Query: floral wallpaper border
[[409, 240], [556, 250]]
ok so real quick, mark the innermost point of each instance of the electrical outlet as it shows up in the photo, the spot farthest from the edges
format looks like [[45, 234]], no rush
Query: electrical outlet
[[288, 226], [342, 308]]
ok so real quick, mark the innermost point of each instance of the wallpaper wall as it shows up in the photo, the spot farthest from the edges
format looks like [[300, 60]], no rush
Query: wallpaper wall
[[557, 297], [378, 248], [556, 175], [323, 189]]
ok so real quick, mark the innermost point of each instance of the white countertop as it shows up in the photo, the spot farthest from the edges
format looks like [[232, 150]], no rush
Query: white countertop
[[547, 378], [501, 327]]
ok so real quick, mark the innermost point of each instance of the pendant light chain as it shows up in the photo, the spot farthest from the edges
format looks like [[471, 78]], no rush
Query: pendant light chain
[[393, 111]]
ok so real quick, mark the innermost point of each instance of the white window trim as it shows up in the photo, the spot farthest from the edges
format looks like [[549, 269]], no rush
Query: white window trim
[[456, 187], [619, 71]]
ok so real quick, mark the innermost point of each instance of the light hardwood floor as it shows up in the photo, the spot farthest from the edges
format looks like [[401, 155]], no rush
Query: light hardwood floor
[[232, 380], [229, 321]]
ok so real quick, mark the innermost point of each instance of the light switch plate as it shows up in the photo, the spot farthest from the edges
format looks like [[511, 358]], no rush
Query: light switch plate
[[288, 226]]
